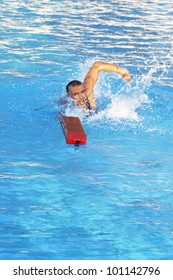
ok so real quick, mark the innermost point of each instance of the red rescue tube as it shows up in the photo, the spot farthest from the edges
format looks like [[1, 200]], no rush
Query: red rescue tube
[[73, 130]]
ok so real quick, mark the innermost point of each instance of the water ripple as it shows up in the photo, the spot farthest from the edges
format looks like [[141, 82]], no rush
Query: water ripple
[[34, 32]]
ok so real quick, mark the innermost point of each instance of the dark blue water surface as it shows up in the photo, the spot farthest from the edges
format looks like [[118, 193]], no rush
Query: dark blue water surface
[[113, 197]]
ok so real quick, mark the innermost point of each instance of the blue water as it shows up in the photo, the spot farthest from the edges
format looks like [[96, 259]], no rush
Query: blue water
[[113, 197]]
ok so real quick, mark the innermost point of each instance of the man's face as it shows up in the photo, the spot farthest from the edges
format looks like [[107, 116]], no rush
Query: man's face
[[77, 93]]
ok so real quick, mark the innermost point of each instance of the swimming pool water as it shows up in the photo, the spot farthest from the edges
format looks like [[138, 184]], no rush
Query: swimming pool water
[[109, 199]]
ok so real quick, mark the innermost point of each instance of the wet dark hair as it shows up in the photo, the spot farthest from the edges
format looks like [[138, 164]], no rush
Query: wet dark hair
[[73, 84]]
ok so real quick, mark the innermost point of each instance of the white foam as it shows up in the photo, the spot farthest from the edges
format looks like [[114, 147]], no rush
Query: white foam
[[126, 102], [122, 107]]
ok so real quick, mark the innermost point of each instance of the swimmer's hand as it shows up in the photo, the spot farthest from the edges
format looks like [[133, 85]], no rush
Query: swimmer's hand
[[126, 76]]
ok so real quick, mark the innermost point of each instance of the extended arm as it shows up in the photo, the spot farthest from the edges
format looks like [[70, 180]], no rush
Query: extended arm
[[93, 74]]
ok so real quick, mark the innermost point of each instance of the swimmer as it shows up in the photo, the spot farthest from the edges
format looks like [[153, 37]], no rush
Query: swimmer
[[82, 94]]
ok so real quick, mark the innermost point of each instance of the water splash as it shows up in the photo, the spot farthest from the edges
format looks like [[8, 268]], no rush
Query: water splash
[[126, 102], [123, 107], [133, 104]]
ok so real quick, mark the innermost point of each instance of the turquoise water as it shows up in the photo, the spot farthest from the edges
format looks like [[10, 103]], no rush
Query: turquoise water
[[111, 198]]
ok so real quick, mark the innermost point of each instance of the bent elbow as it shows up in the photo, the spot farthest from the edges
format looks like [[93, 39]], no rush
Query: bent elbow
[[98, 65]]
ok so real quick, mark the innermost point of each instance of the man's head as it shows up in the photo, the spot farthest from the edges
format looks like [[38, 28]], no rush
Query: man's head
[[75, 90]]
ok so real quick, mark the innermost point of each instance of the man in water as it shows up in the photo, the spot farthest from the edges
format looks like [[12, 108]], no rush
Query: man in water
[[82, 93]]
